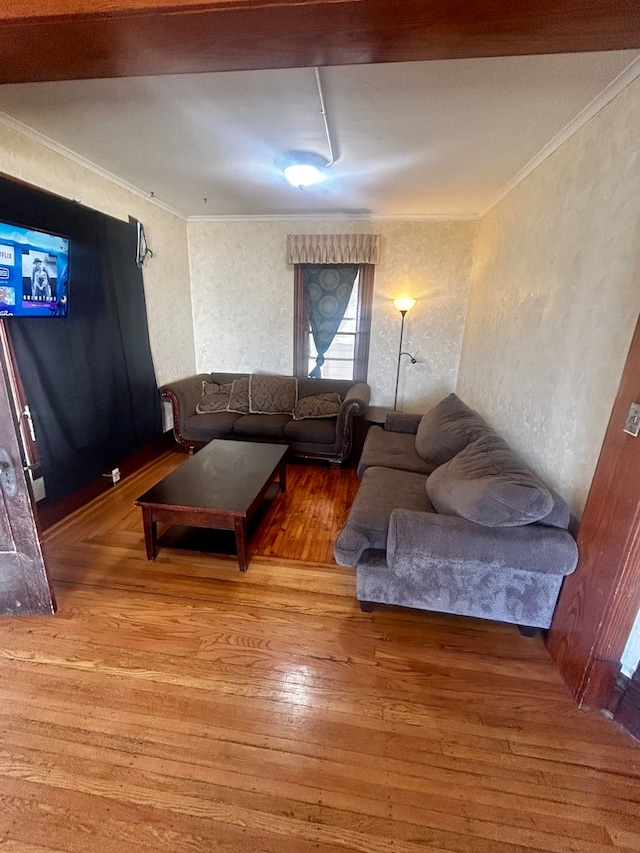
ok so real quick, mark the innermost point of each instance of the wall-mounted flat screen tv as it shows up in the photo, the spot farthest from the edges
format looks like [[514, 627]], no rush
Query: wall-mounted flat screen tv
[[34, 272]]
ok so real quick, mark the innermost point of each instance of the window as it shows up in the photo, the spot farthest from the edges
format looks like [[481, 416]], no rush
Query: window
[[348, 355]]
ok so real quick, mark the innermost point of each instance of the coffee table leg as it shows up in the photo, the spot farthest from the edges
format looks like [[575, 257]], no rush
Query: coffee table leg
[[240, 525], [150, 532], [282, 476]]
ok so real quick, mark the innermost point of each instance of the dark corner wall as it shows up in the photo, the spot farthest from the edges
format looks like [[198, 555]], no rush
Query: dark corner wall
[[88, 377]]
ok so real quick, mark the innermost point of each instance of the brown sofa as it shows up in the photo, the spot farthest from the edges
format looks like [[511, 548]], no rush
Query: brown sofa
[[311, 436]]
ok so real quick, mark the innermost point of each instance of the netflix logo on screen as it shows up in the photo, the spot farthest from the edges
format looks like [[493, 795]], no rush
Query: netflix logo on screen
[[7, 255]]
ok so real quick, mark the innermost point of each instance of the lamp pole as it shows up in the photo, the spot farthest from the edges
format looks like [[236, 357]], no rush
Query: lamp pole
[[395, 399]]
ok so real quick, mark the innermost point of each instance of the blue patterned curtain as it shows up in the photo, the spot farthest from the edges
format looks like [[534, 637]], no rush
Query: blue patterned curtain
[[327, 290]]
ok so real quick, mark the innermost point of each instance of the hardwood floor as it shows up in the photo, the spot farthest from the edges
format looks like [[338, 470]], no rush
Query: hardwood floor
[[180, 706]]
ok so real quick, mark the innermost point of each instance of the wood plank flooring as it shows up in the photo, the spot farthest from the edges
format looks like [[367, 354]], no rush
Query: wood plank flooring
[[180, 706]]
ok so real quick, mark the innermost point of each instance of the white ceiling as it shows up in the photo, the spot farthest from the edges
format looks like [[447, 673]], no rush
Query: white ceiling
[[410, 139]]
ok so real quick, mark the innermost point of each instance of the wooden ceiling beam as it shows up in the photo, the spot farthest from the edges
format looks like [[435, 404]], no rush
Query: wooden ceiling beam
[[70, 39]]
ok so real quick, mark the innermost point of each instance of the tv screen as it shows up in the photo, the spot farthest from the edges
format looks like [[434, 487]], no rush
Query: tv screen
[[34, 272]]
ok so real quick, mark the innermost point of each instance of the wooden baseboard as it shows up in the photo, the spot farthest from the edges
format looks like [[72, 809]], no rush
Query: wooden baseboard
[[49, 512], [627, 713]]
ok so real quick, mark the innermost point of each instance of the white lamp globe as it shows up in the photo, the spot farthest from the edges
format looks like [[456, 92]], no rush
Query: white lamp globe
[[303, 175]]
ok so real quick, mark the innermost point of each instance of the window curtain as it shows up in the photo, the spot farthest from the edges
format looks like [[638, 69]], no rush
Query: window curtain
[[88, 377], [327, 290], [333, 248]]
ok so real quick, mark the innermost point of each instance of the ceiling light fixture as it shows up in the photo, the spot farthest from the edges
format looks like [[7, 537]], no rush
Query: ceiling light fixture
[[305, 168]]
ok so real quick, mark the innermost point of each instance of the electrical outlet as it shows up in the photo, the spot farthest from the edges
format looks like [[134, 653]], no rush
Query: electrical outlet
[[632, 425], [115, 476]]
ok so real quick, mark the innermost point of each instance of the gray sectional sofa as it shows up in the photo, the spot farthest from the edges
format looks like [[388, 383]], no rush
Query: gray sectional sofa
[[448, 518], [315, 417]]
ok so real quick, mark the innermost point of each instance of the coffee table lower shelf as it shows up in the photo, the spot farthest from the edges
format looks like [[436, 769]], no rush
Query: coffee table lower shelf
[[222, 487]]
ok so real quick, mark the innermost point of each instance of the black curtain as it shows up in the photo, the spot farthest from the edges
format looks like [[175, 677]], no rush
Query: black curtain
[[89, 376]]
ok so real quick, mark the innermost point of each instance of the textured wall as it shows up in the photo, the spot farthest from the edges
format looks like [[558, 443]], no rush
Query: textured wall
[[555, 298], [166, 275], [242, 291]]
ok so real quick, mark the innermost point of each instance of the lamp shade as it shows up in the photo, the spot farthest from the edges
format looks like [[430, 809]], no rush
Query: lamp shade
[[404, 304]]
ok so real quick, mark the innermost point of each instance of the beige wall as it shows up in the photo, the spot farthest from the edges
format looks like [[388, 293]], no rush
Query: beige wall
[[242, 292], [555, 298], [166, 275]]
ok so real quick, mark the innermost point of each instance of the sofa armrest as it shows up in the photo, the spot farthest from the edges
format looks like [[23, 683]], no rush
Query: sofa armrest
[[354, 404], [418, 539], [402, 422], [184, 395], [359, 393]]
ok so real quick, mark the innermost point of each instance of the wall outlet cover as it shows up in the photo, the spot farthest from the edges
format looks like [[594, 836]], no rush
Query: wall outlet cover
[[632, 424]]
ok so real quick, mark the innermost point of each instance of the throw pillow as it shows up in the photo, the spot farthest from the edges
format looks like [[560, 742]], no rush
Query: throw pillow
[[239, 399], [447, 429], [272, 395], [317, 406], [214, 398], [487, 483]]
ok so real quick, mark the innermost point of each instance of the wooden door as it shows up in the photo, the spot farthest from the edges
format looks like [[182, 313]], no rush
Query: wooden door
[[24, 585], [599, 602]]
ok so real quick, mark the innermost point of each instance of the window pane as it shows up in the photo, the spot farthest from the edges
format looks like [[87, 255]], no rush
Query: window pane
[[342, 347], [334, 369], [348, 325]]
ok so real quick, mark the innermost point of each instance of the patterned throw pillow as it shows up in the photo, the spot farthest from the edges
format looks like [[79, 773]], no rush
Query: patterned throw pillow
[[317, 406], [239, 400], [215, 398], [272, 395]]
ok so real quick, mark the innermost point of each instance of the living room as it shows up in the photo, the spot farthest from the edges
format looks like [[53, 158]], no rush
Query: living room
[[526, 310]]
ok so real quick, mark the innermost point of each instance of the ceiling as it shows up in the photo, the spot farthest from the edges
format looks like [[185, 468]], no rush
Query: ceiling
[[411, 139]]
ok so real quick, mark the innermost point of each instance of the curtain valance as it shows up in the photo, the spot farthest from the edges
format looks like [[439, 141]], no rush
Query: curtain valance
[[333, 248]]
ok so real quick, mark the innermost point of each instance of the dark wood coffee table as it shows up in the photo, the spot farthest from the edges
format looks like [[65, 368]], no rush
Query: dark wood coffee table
[[220, 487]]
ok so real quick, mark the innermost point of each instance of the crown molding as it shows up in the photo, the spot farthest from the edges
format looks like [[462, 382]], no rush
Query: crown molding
[[67, 153], [624, 79], [343, 217]]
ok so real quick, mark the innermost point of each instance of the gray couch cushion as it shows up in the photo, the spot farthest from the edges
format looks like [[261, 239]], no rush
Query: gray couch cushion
[[385, 449], [315, 430], [447, 429], [272, 395], [267, 426], [381, 491], [488, 484], [208, 426]]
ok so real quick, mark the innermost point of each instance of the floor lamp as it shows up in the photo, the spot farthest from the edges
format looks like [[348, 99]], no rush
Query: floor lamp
[[403, 305]]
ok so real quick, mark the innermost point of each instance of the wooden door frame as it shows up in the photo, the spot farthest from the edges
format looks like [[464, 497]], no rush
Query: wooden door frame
[[123, 38], [599, 602]]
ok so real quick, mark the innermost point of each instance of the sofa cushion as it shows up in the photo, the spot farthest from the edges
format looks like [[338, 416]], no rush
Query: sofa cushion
[[239, 399], [208, 426], [214, 398], [317, 406], [447, 429], [381, 491], [261, 426], [272, 395], [311, 431], [385, 449], [488, 484]]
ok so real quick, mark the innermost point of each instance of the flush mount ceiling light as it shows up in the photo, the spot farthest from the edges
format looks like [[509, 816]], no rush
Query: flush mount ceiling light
[[305, 169]]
